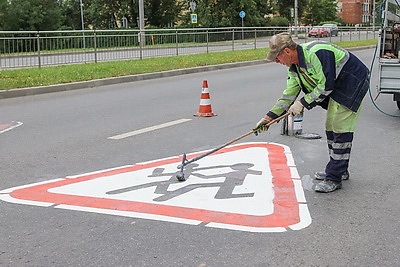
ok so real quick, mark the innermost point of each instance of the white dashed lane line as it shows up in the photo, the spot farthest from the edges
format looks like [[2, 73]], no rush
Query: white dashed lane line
[[148, 129]]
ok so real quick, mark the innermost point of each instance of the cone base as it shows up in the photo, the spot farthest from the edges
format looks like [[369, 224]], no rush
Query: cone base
[[203, 114]]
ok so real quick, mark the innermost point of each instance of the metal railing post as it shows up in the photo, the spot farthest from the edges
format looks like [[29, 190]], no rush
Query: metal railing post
[[95, 45], [4, 47], [255, 38], [233, 39], [176, 40], [207, 39], [140, 45], [38, 49]]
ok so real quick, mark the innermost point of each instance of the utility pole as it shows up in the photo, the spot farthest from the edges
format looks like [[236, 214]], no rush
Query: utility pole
[[296, 17], [141, 24], [373, 16], [83, 26]]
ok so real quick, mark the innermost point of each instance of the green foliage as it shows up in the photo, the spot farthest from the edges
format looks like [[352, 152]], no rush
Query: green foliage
[[72, 15], [3, 12], [279, 21], [225, 13], [32, 15], [163, 13], [106, 14], [284, 6], [318, 11], [103, 14]]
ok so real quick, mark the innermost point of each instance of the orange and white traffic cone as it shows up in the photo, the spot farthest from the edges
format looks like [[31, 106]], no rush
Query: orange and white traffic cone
[[205, 109]]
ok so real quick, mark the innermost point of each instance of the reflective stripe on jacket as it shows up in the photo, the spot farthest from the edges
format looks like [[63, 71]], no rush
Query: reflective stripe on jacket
[[324, 70]]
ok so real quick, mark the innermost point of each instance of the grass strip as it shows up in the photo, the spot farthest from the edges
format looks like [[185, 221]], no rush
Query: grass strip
[[32, 77]]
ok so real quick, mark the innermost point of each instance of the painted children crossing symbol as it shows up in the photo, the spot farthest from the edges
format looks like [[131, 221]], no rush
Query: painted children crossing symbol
[[225, 190], [249, 187]]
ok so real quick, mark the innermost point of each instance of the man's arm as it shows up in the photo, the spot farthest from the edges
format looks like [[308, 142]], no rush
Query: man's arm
[[289, 96]]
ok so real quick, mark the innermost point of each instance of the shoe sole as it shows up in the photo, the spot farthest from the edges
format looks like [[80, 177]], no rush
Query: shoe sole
[[323, 191], [319, 177]]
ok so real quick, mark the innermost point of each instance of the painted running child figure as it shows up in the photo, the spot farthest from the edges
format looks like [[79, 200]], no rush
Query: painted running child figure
[[233, 178], [330, 77]]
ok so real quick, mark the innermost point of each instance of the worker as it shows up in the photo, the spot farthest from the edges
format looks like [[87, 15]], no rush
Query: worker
[[330, 77]]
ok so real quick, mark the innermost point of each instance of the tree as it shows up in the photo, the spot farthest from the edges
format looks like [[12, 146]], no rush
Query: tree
[[164, 13], [71, 11], [284, 6], [3, 12], [320, 10], [279, 21], [225, 13], [108, 14], [33, 15]]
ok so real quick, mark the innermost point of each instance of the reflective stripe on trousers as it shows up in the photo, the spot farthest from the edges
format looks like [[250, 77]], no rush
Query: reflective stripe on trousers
[[339, 145], [340, 125]]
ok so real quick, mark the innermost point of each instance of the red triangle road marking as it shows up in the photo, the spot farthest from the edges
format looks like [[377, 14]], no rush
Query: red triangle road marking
[[249, 187]]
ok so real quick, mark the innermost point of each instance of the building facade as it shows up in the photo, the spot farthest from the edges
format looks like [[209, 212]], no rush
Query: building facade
[[355, 11]]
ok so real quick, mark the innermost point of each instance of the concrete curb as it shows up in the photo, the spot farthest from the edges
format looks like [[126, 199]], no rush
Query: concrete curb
[[115, 80]]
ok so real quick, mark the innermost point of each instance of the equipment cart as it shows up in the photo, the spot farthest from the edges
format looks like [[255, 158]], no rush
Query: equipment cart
[[389, 52]]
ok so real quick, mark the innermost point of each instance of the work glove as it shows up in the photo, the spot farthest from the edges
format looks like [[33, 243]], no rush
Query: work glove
[[296, 108], [261, 126]]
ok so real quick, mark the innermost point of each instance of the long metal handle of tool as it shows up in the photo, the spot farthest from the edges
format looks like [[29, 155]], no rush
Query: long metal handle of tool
[[230, 142]]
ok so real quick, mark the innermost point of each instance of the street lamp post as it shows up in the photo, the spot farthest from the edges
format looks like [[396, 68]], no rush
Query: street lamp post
[[83, 25]]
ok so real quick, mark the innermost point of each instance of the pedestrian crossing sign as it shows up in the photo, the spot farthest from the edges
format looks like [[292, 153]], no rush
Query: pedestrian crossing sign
[[194, 18]]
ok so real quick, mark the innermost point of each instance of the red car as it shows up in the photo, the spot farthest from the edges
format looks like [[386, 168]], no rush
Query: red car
[[318, 31]]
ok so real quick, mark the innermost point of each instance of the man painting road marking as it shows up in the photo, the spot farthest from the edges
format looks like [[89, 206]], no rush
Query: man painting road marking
[[248, 187]]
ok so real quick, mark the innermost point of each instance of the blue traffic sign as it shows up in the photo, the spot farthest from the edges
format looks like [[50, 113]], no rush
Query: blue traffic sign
[[194, 18], [242, 14]]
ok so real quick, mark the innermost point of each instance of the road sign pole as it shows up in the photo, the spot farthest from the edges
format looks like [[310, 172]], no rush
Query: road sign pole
[[242, 14], [242, 29]]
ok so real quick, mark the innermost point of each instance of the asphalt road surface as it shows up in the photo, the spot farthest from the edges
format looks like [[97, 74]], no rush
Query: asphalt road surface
[[68, 133]]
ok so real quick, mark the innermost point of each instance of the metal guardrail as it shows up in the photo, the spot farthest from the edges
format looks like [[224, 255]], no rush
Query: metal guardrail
[[24, 49]]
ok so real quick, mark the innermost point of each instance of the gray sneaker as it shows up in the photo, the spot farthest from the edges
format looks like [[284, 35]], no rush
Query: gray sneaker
[[327, 186], [322, 175]]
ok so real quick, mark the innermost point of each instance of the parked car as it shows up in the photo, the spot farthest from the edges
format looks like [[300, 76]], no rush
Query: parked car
[[333, 29], [318, 31]]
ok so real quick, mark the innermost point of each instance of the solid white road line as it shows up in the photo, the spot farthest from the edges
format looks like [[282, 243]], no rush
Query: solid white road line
[[148, 129]]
